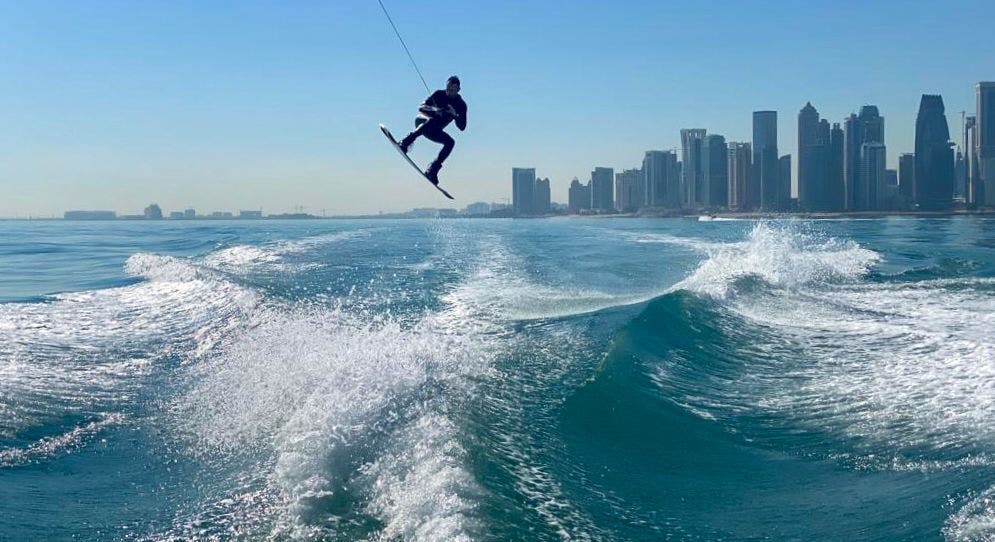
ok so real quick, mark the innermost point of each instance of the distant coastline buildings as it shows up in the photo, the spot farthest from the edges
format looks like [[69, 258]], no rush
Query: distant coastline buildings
[[841, 167], [89, 215], [530, 195], [154, 212]]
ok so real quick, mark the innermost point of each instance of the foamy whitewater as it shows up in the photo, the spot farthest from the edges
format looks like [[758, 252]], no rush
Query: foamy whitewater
[[563, 379]]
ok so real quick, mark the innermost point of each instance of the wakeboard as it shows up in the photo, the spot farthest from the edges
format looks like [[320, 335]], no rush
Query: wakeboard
[[386, 132]]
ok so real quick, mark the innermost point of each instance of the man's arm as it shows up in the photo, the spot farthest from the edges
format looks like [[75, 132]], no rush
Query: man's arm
[[461, 118], [430, 106]]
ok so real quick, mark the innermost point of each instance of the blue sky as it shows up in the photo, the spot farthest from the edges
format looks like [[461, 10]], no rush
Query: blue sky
[[242, 105]]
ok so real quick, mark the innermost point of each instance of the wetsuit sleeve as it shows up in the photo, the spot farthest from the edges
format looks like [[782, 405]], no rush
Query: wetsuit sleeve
[[430, 103], [461, 117]]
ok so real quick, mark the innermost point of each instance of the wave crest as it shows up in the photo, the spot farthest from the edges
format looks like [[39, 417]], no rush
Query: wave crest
[[782, 257]]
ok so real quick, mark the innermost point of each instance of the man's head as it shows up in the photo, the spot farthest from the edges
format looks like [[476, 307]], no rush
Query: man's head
[[452, 86]]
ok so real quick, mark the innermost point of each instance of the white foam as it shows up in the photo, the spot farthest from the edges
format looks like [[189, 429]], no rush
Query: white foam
[[77, 351], [912, 365], [314, 388], [241, 256], [421, 486], [50, 446], [975, 521], [900, 368], [780, 256], [499, 290], [273, 256]]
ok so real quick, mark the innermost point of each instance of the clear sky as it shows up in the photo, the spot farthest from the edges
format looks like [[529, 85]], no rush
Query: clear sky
[[247, 105]]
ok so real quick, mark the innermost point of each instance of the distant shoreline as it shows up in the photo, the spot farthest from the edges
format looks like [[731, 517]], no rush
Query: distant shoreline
[[640, 214]]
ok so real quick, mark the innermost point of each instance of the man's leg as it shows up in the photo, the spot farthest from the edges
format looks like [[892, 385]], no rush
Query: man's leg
[[421, 124], [439, 136]]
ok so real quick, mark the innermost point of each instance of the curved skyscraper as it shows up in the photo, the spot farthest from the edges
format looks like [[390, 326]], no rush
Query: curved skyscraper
[[934, 172]]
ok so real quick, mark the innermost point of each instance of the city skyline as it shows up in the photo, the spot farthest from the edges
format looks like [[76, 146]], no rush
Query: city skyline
[[199, 107]]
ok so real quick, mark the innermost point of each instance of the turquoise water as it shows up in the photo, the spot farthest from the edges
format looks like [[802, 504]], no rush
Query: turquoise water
[[602, 379]]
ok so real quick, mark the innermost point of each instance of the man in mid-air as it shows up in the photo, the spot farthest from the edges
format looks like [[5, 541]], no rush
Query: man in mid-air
[[438, 110]]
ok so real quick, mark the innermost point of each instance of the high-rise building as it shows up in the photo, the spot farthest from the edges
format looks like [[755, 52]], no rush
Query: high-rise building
[[691, 175], [960, 174], [814, 157], [766, 168], [975, 188], [934, 180], [808, 151], [851, 159], [523, 182], [542, 196], [714, 191], [578, 196], [639, 185], [602, 181], [985, 148], [867, 127], [872, 176], [871, 190], [627, 196], [784, 178], [740, 167], [835, 188], [891, 176], [889, 199], [906, 176], [153, 212], [661, 180]]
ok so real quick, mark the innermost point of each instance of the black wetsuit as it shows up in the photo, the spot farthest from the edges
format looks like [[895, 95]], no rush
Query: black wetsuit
[[433, 119]]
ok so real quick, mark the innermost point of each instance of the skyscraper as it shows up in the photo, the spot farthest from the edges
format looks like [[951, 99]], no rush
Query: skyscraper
[[814, 172], [627, 196], [661, 180], [851, 159], [714, 172], [542, 196], [870, 178], [766, 170], [691, 176], [872, 189], [809, 170], [602, 189], [740, 167], [934, 177], [985, 149], [906, 176], [835, 188], [975, 188], [523, 182], [867, 127], [960, 173], [784, 178], [578, 196]]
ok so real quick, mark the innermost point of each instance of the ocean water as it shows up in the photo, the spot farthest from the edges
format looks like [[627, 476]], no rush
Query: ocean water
[[562, 379]]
